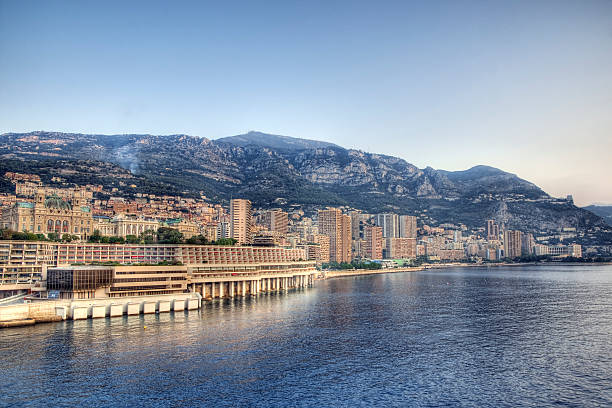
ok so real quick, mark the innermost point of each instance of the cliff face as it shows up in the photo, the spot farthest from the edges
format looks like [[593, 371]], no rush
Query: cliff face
[[273, 170]]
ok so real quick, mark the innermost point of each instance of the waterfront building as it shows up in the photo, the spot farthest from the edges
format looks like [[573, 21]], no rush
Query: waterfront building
[[241, 221], [23, 264], [401, 248], [558, 251], [209, 280], [527, 244], [512, 244], [338, 227], [324, 242], [408, 226], [98, 282], [373, 242]]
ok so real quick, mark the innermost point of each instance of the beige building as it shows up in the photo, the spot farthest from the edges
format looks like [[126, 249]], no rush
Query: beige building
[[241, 221], [408, 226], [373, 242], [276, 221], [185, 227], [338, 227], [401, 248], [132, 225], [210, 233], [512, 244], [51, 214]]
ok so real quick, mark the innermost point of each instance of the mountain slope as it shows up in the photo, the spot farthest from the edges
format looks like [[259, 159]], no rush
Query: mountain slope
[[277, 142], [604, 211], [273, 170]]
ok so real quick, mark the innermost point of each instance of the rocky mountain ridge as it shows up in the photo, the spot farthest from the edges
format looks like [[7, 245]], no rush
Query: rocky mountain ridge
[[276, 170]]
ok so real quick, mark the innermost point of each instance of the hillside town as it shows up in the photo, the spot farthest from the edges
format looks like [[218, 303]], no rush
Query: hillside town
[[330, 235]]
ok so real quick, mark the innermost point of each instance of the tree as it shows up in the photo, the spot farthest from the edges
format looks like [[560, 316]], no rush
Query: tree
[[226, 241], [197, 240], [166, 235], [69, 238], [148, 237], [95, 237], [116, 240], [132, 239]]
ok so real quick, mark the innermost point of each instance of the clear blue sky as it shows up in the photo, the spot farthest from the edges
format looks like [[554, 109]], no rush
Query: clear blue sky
[[525, 86]]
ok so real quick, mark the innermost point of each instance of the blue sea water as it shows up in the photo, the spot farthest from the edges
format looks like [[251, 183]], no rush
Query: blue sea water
[[462, 337]]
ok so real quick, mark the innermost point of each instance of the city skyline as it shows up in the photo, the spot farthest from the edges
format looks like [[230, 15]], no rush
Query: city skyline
[[448, 86]]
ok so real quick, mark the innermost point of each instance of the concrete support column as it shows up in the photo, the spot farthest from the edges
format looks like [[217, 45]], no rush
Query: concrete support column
[[203, 291], [232, 291], [212, 290], [243, 284]]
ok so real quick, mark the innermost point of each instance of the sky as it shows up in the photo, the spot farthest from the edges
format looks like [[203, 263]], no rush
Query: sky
[[525, 86]]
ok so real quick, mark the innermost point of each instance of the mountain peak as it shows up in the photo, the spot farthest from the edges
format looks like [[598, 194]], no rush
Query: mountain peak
[[277, 142]]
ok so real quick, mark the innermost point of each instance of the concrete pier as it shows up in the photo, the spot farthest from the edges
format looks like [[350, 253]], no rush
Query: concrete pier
[[147, 307], [79, 312], [178, 305], [115, 310], [132, 309], [232, 286], [98, 311], [163, 306]]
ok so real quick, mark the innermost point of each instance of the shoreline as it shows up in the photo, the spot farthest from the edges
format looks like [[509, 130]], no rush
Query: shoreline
[[365, 272]]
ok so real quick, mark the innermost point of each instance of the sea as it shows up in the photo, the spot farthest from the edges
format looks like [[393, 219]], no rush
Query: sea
[[522, 336]]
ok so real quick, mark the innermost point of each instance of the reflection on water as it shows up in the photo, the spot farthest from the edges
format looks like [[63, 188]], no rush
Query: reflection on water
[[534, 336]]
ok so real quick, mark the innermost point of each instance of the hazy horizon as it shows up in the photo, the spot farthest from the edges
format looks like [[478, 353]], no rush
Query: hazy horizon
[[525, 87]]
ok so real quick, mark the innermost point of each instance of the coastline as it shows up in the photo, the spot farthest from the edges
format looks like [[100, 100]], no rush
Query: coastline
[[363, 272]]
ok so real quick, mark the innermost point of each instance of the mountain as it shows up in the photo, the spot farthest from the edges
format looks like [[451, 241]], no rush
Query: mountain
[[277, 142], [276, 171], [604, 211]]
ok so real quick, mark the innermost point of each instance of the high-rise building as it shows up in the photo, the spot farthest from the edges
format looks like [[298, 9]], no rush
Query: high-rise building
[[277, 221], [240, 220], [338, 227], [373, 242], [323, 241], [223, 230], [527, 244], [389, 223], [401, 248], [512, 244], [356, 219], [492, 231], [408, 226]]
